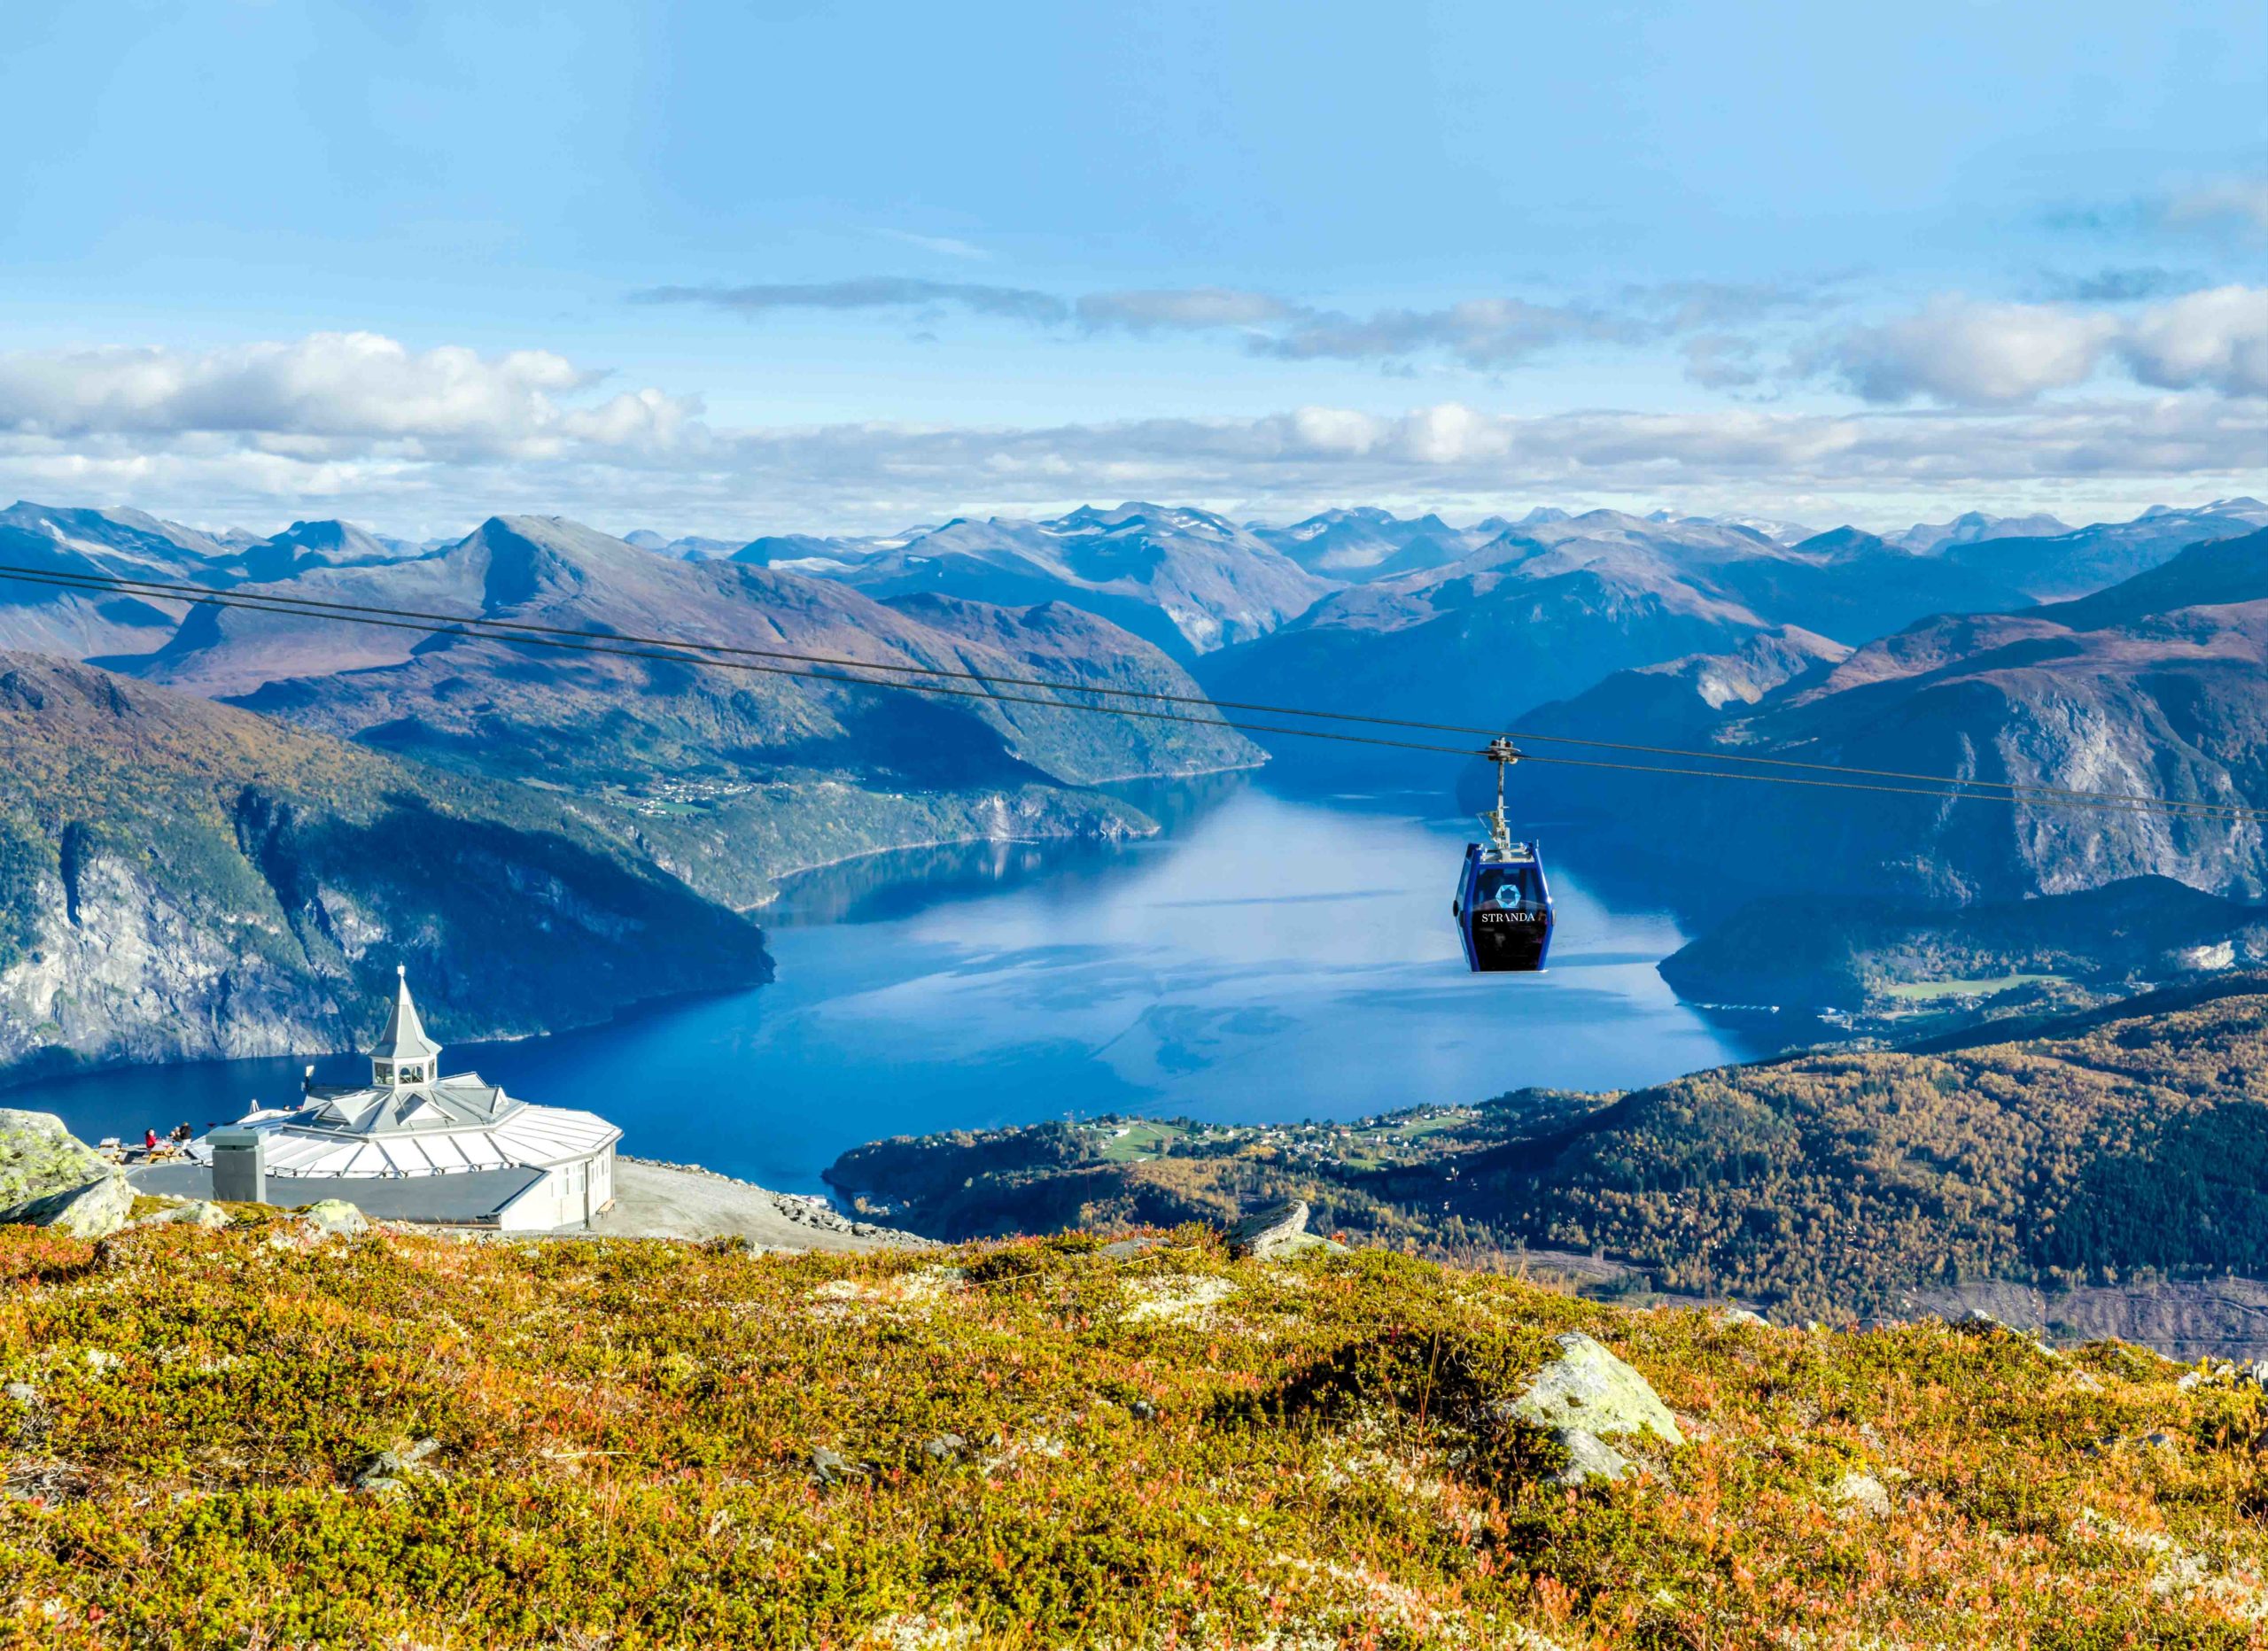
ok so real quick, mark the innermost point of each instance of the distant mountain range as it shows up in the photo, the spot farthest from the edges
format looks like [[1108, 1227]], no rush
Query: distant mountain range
[[732, 775], [2115, 654], [2157, 687], [411, 758], [1547, 609]]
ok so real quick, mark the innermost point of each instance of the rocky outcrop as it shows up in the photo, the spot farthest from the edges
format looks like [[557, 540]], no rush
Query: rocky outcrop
[[334, 1218], [96, 1210], [38, 1155], [1277, 1233], [1586, 1397], [200, 1213], [51, 1178], [122, 968]]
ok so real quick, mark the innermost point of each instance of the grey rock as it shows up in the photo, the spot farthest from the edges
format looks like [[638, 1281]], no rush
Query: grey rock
[[1127, 1249], [1585, 1397], [1588, 1457], [200, 1213], [1731, 1318], [945, 1447], [95, 1209], [831, 1467], [1589, 1387], [1142, 1410], [387, 1475], [1277, 1233], [1861, 1493], [38, 1155], [334, 1217]]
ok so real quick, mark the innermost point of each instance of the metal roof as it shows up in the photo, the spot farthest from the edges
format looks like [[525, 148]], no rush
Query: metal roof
[[404, 1037], [455, 1126]]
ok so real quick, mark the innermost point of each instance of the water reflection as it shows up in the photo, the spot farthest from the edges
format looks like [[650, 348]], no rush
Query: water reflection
[[1268, 958]]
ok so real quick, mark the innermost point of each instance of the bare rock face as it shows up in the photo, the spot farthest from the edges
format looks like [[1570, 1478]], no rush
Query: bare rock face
[[94, 1210], [38, 1155], [1586, 1396], [1277, 1233], [122, 968]]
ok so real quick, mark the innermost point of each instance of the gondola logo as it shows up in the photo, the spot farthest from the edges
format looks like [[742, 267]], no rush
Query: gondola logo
[[1508, 895]]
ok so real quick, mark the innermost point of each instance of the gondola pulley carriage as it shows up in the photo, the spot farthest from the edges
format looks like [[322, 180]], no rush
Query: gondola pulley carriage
[[1503, 901]]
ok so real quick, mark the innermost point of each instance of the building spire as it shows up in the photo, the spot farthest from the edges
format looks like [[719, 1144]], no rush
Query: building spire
[[403, 1053]]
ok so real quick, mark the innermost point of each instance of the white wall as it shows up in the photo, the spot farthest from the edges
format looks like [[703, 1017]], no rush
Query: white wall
[[564, 1196]]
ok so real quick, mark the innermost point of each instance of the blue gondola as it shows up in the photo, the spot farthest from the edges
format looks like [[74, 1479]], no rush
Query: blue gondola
[[1504, 901]]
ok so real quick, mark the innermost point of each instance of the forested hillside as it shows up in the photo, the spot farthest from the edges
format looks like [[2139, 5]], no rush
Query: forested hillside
[[2131, 1140]]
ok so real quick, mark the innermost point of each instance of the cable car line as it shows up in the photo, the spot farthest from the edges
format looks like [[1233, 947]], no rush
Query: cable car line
[[1945, 787], [314, 606]]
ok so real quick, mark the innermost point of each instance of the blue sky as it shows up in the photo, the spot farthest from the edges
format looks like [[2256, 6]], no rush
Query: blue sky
[[745, 269]]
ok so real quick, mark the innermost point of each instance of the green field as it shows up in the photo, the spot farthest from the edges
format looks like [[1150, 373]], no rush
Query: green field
[[1141, 1140], [1925, 991]]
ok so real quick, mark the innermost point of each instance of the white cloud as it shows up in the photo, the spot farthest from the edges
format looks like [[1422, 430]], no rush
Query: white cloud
[[2216, 339], [1718, 360], [1483, 334], [869, 293], [947, 245], [1972, 354], [1967, 354], [324, 390], [428, 441]]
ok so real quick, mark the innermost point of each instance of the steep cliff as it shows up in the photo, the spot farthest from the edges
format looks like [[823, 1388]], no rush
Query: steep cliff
[[183, 881], [2154, 688]]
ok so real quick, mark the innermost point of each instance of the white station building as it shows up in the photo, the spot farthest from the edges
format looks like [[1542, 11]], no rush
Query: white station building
[[414, 1145]]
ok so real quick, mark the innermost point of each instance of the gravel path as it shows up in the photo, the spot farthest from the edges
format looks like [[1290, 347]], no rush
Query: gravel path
[[653, 1200]]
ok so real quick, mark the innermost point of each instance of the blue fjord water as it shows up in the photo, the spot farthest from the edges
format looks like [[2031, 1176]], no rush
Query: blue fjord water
[[1269, 957]]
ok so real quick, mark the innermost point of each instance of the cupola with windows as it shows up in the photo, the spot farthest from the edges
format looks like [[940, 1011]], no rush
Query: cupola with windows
[[404, 1056]]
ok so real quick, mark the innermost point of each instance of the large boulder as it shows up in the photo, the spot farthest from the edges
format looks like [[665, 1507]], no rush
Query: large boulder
[[39, 1156], [1584, 1397], [334, 1218], [1277, 1233], [198, 1213], [96, 1210]]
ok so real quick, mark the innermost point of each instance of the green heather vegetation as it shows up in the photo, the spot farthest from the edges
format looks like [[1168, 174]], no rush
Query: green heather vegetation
[[2125, 1142], [634, 1443]]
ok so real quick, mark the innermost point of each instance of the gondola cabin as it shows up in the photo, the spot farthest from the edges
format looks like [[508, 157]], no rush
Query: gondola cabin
[[1504, 903], [1503, 909]]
